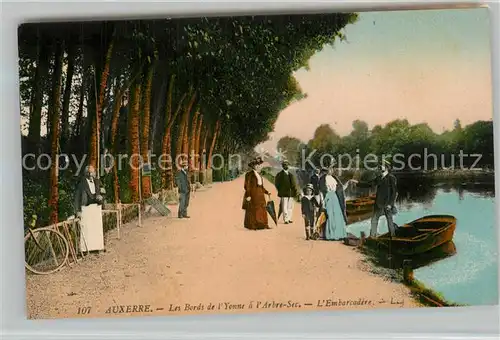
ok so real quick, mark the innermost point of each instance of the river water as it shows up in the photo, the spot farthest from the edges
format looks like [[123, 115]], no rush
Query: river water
[[470, 275]]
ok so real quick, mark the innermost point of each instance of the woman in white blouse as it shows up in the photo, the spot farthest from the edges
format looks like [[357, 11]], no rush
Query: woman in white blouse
[[335, 206]]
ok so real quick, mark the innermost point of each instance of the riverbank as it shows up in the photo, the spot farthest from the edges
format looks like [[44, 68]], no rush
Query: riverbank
[[459, 174], [428, 297], [424, 295], [396, 273], [401, 269]]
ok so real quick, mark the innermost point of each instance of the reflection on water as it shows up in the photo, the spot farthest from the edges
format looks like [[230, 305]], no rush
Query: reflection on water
[[380, 256], [471, 275]]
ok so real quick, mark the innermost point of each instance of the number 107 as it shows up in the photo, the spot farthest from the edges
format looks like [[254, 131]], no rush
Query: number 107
[[83, 310]]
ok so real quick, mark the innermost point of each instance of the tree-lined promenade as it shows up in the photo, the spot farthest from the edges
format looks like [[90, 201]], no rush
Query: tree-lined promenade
[[183, 86]]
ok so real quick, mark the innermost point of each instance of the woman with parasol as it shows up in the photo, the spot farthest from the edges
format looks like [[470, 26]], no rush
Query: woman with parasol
[[254, 200]]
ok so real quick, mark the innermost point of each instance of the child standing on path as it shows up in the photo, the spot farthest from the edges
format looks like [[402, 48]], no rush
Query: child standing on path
[[309, 206]]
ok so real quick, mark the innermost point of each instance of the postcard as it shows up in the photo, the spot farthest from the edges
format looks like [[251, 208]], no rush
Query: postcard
[[250, 164]]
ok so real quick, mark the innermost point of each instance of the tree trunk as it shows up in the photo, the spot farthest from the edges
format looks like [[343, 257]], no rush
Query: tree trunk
[[67, 93], [41, 73], [107, 114], [167, 145], [181, 146], [146, 180], [79, 113], [54, 116], [180, 137], [204, 147], [118, 95], [203, 155], [116, 184], [166, 148], [134, 119], [212, 145], [167, 173], [156, 114], [197, 144], [192, 140], [96, 124], [185, 139], [114, 131], [192, 133], [32, 98], [185, 148]]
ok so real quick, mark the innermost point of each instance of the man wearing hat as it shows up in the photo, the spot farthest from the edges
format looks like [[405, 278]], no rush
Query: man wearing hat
[[323, 189], [385, 199], [309, 205], [314, 181], [286, 185], [184, 187]]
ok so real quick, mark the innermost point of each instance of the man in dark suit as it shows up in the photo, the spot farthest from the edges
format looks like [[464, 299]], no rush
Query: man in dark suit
[[286, 184], [322, 182], [184, 187], [314, 180], [88, 190], [385, 199]]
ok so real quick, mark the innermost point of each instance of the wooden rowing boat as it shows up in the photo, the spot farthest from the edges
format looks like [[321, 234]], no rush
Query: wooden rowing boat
[[418, 236], [358, 217], [380, 256], [360, 205]]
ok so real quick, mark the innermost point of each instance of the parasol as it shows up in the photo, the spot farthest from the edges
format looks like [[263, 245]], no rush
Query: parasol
[[320, 225], [271, 210], [321, 219]]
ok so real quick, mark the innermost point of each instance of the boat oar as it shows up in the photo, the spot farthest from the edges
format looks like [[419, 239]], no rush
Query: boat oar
[[389, 257]]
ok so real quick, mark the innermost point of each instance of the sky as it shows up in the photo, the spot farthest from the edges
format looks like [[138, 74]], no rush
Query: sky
[[429, 66]]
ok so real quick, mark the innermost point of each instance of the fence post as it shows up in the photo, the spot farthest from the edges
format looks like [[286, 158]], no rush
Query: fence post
[[407, 271], [363, 238], [140, 217]]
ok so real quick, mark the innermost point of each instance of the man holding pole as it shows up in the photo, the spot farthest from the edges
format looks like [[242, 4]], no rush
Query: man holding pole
[[385, 199]]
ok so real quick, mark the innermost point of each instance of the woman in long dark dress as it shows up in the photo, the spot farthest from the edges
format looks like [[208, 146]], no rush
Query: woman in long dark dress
[[254, 200]]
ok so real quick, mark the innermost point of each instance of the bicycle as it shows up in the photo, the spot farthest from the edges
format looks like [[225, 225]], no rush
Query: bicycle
[[39, 242]]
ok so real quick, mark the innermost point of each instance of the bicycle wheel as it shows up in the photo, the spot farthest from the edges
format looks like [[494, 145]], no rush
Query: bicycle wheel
[[46, 251]]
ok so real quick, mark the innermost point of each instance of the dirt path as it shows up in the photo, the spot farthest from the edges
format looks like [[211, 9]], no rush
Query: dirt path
[[211, 261]]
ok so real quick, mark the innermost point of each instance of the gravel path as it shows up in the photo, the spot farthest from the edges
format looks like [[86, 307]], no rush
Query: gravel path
[[215, 265]]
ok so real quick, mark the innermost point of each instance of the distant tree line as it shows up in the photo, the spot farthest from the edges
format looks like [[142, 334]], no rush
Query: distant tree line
[[398, 137]]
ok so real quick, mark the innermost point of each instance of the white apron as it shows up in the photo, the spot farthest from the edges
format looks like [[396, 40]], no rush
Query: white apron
[[92, 234]]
